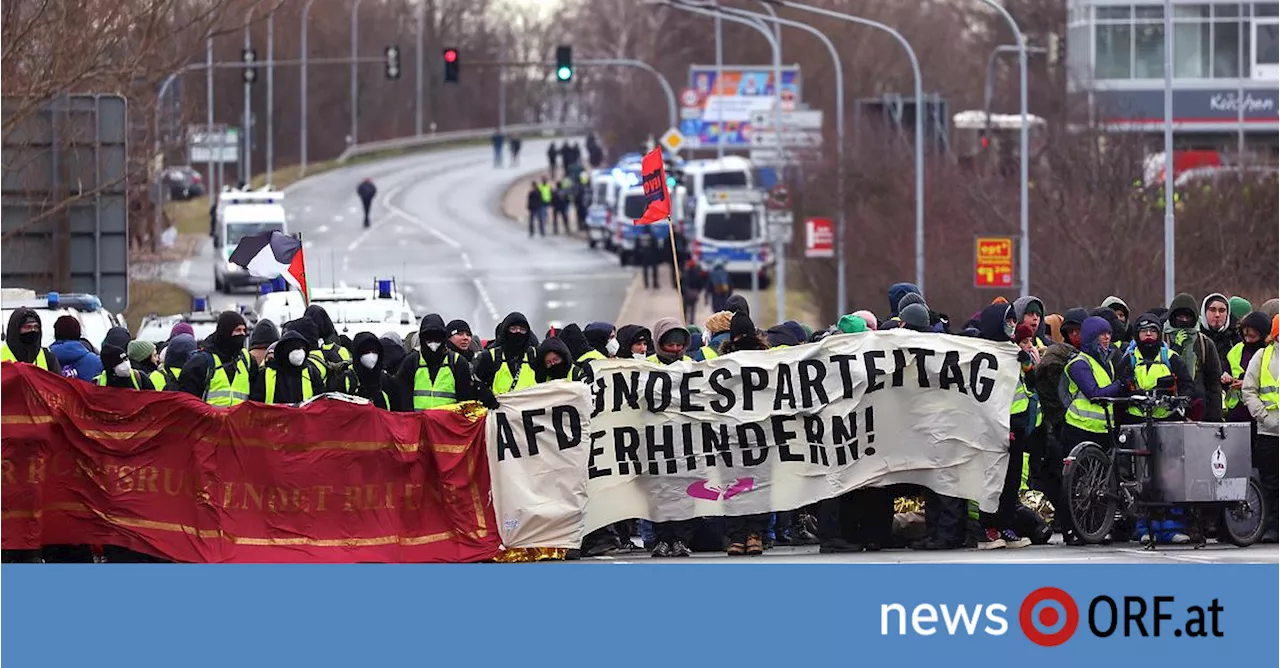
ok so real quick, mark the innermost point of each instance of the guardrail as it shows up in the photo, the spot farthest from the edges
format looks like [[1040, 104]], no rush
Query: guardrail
[[436, 138]]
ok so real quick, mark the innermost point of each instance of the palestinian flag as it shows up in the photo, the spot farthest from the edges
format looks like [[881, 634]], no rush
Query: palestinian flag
[[271, 255]]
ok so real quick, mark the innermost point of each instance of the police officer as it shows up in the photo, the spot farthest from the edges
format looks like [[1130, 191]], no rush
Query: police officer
[[22, 341], [221, 374], [434, 376]]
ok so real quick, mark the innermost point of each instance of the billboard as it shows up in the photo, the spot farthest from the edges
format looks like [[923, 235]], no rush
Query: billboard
[[727, 102], [993, 262]]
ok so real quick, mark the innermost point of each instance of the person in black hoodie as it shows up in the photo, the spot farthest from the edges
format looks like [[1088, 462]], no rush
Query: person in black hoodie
[[581, 352], [227, 343], [330, 342], [1199, 354], [22, 341], [393, 352], [509, 364], [287, 378], [745, 533], [553, 361], [420, 380], [118, 372], [634, 342], [370, 381]]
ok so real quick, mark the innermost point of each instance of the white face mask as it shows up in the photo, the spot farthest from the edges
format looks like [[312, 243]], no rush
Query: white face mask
[[122, 369], [369, 360], [297, 357], [433, 346], [612, 347]]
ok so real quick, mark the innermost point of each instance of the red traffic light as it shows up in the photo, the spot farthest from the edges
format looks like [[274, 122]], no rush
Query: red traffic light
[[450, 55]]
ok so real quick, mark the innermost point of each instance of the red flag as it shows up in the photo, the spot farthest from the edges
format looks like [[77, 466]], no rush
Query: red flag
[[297, 275], [655, 189]]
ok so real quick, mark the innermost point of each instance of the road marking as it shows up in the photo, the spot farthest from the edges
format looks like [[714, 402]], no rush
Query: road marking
[[553, 304], [484, 297], [466, 261], [353, 210], [337, 218], [185, 268], [430, 230], [306, 209], [322, 229], [626, 301]]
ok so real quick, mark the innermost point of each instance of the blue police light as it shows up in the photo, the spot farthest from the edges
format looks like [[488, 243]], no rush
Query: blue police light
[[278, 284], [54, 299], [266, 288], [384, 288], [199, 304]]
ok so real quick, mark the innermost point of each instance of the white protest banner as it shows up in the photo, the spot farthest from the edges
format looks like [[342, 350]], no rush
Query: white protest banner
[[762, 431], [538, 465]]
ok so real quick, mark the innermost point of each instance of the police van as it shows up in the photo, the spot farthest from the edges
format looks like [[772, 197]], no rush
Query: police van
[[204, 322], [379, 309], [243, 213], [728, 228], [94, 319], [603, 192], [728, 172], [630, 207]]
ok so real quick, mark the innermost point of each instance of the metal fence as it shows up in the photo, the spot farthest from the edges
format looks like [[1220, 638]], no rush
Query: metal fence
[[437, 138]]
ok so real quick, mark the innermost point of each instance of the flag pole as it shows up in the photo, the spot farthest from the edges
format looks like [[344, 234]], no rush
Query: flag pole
[[675, 262]]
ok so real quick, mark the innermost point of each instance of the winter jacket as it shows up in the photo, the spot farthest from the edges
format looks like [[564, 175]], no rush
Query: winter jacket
[[76, 360], [373, 384], [896, 292], [1268, 424], [1201, 357], [1223, 338], [289, 379]]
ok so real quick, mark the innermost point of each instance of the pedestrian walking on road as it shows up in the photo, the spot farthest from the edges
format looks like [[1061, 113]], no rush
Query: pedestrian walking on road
[[516, 143], [721, 287], [537, 211], [647, 250], [552, 153], [498, 141], [693, 283], [367, 191], [559, 209]]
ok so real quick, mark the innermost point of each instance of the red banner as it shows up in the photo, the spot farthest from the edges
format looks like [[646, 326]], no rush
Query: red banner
[[654, 179], [165, 474]]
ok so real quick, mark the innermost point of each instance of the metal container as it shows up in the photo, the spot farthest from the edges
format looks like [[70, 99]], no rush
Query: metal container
[[1196, 461]]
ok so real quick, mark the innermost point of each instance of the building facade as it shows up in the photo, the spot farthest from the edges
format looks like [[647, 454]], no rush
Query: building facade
[[1225, 70]]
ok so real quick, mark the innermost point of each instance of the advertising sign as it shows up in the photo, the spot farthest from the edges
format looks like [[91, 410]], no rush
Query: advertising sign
[[729, 102], [993, 262], [819, 237]]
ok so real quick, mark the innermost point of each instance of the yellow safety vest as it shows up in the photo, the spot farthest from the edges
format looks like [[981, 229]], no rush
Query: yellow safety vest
[[101, 380], [591, 355], [709, 353], [1082, 413], [227, 391], [544, 190], [1234, 358], [438, 394], [160, 377], [504, 382], [1268, 390], [342, 351], [42, 359], [307, 389], [1022, 400], [1148, 375], [321, 364]]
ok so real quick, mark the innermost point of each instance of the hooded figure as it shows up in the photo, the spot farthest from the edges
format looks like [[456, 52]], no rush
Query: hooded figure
[[434, 376], [1030, 310], [118, 337], [324, 324], [736, 303], [599, 334], [634, 336], [393, 352], [371, 382], [554, 361], [222, 355], [176, 356], [743, 335], [1142, 355], [288, 378], [995, 322], [118, 372], [670, 340], [896, 292], [264, 334], [330, 343], [1198, 352], [916, 318], [1119, 331], [1117, 306], [1254, 328], [1270, 307], [75, 358], [1216, 323]]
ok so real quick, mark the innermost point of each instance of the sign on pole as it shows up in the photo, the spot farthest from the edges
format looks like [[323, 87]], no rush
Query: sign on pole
[[993, 262], [213, 143], [819, 238], [727, 100], [672, 140]]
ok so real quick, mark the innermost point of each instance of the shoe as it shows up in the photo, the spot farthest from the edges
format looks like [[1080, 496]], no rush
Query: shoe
[[1180, 539], [990, 540], [872, 547], [839, 546], [755, 546], [600, 549], [662, 550], [679, 549], [736, 549], [572, 555], [1013, 540], [1145, 539], [1271, 536], [802, 536], [769, 543]]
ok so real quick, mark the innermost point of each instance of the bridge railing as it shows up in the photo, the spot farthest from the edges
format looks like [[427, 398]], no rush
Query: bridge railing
[[454, 136]]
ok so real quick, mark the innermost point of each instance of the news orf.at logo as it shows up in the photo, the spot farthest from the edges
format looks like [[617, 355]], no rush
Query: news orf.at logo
[[1049, 617]]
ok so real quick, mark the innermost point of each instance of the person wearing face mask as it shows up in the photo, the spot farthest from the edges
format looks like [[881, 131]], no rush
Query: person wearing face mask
[[371, 382], [434, 376], [330, 343], [288, 378], [1148, 365], [635, 342], [1253, 332], [509, 364], [393, 352], [603, 339], [460, 339], [176, 354], [1199, 354], [119, 372], [221, 373], [672, 539], [553, 362]]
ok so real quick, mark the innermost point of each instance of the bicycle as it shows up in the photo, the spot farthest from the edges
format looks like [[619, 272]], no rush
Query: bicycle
[[1193, 466]]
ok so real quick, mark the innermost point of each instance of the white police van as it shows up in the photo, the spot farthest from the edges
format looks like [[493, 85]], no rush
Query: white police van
[[603, 192], [204, 322], [729, 229], [243, 213], [94, 319], [728, 172], [379, 309]]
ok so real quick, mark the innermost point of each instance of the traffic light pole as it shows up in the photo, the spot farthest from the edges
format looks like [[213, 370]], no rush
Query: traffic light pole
[[673, 116], [246, 167]]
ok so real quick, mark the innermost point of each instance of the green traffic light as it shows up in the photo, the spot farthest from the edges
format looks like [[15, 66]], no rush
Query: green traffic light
[[564, 73]]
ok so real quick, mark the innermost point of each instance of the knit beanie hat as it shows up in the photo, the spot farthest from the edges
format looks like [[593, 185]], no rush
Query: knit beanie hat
[[181, 328], [852, 323], [112, 355], [916, 316], [66, 328], [869, 317], [741, 325], [141, 351], [264, 334], [1023, 331], [1240, 307]]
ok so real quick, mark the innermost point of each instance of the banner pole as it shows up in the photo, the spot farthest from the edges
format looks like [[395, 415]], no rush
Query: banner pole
[[675, 262]]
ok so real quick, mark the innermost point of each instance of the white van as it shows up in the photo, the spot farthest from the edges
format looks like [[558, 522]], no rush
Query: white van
[[730, 171], [243, 213], [603, 188], [379, 309], [94, 319], [728, 228]]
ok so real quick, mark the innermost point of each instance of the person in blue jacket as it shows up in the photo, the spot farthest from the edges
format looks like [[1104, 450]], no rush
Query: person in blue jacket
[[77, 360]]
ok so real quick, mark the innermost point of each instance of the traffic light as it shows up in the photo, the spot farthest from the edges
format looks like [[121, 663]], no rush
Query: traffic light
[[451, 65], [392, 69], [250, 58], [564, 63], [1055, 49]]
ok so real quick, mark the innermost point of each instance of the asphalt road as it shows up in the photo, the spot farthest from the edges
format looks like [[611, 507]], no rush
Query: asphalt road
[[438, 230]]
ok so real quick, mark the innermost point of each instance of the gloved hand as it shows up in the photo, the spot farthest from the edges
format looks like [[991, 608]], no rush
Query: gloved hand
[[487, 398], [1024, 358]]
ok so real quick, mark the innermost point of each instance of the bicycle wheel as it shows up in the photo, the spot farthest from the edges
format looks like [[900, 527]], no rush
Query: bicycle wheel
[[1091, 499], [1243, 522]]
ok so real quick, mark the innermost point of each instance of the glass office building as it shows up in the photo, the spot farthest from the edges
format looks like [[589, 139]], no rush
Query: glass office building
[[1225, 69]]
